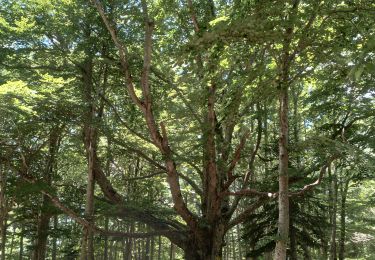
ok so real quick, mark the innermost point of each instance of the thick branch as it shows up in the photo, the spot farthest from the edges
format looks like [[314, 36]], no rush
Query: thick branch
[[236, 158]]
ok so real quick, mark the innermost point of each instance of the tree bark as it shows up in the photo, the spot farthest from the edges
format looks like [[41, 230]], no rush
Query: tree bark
[[283, 221], [333, 249], [306, 252], [152, 251], [3, 212], [42, 232], [344, 192], [87, 249], [172, 252], [293, 243], [105, 253], [54, 241], [90, 142], [283, 86], [45, 214], [20, 255]]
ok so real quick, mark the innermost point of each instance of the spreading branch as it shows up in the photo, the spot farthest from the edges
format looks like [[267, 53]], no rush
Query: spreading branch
[[247, 212], [312, 185], [161, 142]]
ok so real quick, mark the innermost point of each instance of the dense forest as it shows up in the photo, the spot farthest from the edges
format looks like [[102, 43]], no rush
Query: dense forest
[[187, 129]]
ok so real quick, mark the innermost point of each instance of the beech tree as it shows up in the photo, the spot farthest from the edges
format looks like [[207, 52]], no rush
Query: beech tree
[[181, 120]]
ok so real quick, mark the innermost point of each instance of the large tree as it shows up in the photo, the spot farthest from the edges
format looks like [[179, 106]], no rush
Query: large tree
[[190, 94]]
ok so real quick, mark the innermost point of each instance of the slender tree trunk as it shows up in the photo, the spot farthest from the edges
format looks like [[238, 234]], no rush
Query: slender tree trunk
[[128, 245], [3, 213], [152, 252], [234, 246], [20, 255], [54, 241], [105, 253], [333, 249], [306, 252], [12, 241], [344, 191], [283, 86], [147, 248], [293, 243], [159, 248], [283, 222], [87, 249], [90, 141], [172, 252], [3, 238], [239, 242]]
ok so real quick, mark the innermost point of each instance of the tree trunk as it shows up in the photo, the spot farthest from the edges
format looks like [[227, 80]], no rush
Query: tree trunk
[[3, 237], [90, 141], [268, 256], [152, 252], [283, 222], [44, 215], [147, 248], [20, 255], [87, 249], [293, 243], [12, 241], [3, 213], [54, 241], [333, 250], [105, 253], [128, 244], [42, 232], [344, 191], [172, 252], [306, 253], [239, 242], [159, 248], [210, 249]]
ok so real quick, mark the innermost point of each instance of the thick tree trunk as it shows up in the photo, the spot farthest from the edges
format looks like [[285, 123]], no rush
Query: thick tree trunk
[[210, 249], [42, 232], [344, 191], [268, 256], [44, 215]]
